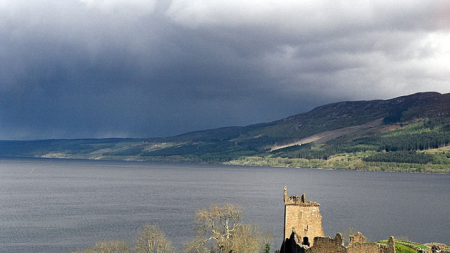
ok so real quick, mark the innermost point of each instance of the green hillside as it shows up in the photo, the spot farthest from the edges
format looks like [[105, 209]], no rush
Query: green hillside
[[408, 133]]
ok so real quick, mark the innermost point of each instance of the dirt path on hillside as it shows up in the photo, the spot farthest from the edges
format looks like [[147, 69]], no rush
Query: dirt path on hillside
[[323, 137]]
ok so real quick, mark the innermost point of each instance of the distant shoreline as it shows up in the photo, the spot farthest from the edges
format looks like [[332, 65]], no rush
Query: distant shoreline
[[261, 162]]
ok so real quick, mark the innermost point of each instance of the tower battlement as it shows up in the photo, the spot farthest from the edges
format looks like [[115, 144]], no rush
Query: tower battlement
[[297, 200]]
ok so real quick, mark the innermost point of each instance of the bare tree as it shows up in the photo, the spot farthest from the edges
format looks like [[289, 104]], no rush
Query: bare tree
[[219, 230], [247, 238], [108, 247], [151, 240]]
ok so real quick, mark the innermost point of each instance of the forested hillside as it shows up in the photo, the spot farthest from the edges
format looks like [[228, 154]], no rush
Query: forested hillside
[[409, 133]]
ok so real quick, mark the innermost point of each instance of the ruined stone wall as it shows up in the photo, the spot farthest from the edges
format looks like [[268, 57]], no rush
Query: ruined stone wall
[[328, 245], [336, 245], [358, 244], [366, 248], [356, 238], [391, 245], [303, 217]]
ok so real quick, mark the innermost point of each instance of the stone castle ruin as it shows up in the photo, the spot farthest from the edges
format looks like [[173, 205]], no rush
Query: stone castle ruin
[[303, 232], [303, 218]]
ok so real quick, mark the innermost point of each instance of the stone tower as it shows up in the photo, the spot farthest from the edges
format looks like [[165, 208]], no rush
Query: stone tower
[[302, 217]]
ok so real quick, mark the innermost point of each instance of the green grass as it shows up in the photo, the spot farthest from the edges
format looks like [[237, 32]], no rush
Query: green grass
[[412, 244], [400, 247]]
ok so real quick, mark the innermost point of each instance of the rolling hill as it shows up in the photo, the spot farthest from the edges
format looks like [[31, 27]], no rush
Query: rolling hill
[[408, 133]]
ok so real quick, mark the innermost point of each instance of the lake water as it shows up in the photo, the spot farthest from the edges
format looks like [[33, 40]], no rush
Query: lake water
[[64, 205]]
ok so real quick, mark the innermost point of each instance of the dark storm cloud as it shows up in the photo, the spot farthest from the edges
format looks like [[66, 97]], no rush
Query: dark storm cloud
[[141, 68]]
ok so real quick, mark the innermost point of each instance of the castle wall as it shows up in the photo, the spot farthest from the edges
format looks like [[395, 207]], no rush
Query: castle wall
[[335, 245], [328, 245], [358, 244], [358, 238], [366, 248]]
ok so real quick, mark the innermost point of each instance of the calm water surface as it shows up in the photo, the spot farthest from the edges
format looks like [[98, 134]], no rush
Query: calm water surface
[[62, 206]]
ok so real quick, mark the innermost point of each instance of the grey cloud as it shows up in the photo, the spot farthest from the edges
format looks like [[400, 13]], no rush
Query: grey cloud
[[79, 69]]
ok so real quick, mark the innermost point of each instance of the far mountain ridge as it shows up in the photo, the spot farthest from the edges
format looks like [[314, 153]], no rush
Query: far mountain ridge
[[401, 130], [350, 113], [344, 114]]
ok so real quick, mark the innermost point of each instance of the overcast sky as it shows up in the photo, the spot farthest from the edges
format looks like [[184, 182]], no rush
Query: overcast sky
[[149, 68]]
